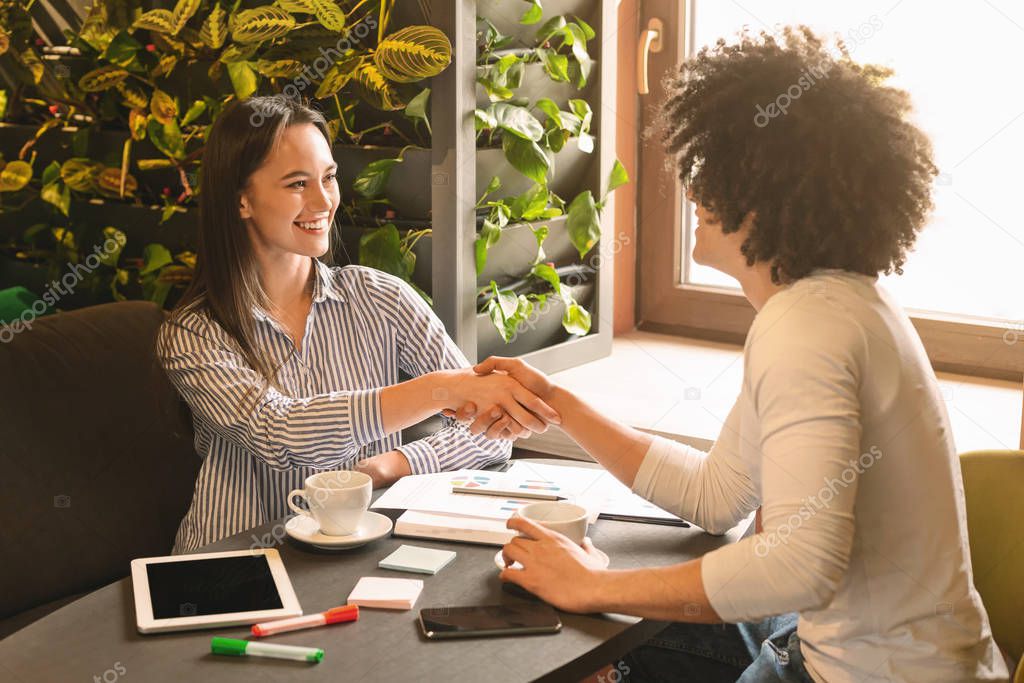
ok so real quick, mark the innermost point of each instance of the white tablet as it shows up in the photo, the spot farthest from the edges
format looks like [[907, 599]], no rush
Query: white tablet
[[206, 590]]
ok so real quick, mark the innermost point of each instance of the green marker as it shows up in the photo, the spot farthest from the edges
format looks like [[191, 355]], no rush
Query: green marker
[[239, 648]]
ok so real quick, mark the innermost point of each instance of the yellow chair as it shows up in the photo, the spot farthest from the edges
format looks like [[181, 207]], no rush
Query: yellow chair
[[994, 493]]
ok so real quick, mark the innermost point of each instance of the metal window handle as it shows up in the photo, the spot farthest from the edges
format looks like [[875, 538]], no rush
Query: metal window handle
[[650, 41]]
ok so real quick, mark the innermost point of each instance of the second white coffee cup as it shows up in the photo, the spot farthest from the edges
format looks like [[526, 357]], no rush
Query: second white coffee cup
[[337, 500], [565, 518]]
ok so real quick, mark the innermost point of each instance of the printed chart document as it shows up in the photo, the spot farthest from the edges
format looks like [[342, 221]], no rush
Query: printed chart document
[[593, 488]]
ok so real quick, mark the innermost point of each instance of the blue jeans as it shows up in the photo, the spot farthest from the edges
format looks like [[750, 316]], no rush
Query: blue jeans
[[708, 653]]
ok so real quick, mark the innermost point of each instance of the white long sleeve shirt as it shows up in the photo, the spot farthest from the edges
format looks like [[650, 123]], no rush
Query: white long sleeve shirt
[[841, 436]]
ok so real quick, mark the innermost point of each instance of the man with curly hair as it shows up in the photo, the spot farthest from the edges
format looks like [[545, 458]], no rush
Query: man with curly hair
[[809, 181]]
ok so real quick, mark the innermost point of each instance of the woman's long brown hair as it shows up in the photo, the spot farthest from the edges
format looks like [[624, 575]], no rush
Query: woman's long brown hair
[[226, 282]]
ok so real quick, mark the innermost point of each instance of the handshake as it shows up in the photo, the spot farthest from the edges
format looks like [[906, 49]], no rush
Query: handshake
[[502, 398]]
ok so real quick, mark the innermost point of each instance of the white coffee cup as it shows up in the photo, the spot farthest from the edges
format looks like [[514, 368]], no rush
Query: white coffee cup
[[565, 518], [337, 500]]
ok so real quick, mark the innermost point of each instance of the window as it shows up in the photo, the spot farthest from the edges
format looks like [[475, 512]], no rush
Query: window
[[962, 283]]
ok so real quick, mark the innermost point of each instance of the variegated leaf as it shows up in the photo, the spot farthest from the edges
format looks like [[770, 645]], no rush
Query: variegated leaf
[[413, 53], [281, 68], [262, 23], [183, 11], [30, 60], [337, 76], [376, 89], [329, 14], [163, 106], [137, 119], [77, 173], [159, 20], [15, 175], [215, 29], [303, 6], [164, 66], [103, 78], [135, 98]]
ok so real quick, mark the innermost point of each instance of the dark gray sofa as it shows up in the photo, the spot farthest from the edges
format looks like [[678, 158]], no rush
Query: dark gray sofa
[[96, 451]]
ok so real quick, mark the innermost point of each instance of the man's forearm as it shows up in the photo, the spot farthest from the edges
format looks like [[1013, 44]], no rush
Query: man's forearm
[[617, 447], [674, 593]]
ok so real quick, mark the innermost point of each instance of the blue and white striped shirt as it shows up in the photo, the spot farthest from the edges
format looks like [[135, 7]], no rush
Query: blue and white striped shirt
[[364, 325]]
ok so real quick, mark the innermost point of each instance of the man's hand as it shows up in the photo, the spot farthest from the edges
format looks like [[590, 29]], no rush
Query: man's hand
[[532, 379], [493, 421], [554, 568], [513, 410]]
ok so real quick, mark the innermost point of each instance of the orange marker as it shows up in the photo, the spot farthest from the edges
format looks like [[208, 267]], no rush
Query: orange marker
[[331, 616]]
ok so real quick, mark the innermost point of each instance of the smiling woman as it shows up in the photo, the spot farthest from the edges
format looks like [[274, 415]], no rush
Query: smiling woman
[[291, 366]]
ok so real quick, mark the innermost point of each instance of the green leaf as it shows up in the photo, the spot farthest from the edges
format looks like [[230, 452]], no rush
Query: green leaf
[[381, 248], [548, 275], [527, 157], [243, 78], [489, 235], [587, 30], [58, 194], [109, 258], [484, 118], [167, 138], [617, 178], [154, 257], [493, 186], [531, 204], [576, 319], [518, 121], [579, 51], [3, 104], [582, 110], [550, 27], [533, 14], [373, 179], [502, 308], [583, 222], [556, 66], [15, 175], [194, 112], [550, 109], [52, 172], [417, 107], [540, 234], [122, 49]]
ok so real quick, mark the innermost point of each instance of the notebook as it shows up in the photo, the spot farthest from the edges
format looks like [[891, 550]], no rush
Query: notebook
[[416, 524], [411, 558], [373, 591]]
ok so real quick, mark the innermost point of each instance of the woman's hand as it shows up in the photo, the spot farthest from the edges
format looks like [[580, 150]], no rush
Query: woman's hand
[[555, 569], [492, 421], [512, 410]]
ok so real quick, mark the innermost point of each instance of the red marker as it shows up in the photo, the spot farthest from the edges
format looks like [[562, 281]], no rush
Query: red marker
[[331, 616]]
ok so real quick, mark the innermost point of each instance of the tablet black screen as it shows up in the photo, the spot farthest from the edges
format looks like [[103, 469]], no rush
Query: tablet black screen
[[211, 586]]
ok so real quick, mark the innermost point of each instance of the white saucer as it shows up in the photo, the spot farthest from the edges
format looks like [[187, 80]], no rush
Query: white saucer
[[373, 526], [500, 561]]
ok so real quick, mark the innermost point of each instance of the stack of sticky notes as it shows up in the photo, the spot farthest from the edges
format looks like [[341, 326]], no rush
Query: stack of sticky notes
[[372, 591], [411, 558]]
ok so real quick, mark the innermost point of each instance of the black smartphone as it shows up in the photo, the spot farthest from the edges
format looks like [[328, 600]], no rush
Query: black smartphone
[[488, 620]]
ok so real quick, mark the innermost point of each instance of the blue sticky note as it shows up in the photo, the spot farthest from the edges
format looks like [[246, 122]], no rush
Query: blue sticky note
[[411, 558]]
